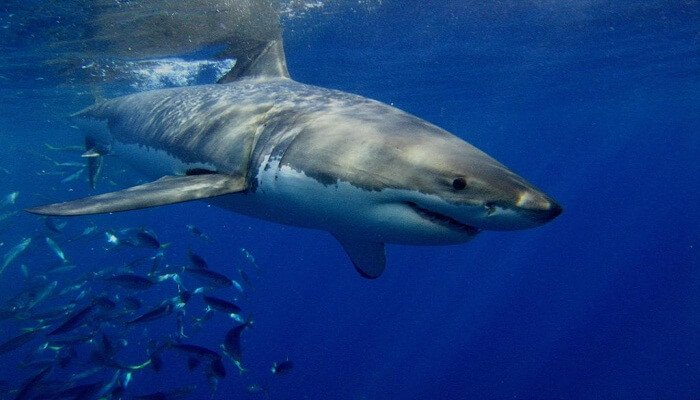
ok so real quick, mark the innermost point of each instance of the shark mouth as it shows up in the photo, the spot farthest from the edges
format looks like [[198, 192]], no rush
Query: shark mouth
[[443, 220]]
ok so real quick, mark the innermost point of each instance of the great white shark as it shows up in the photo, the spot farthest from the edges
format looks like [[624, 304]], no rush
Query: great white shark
[[261, 144]]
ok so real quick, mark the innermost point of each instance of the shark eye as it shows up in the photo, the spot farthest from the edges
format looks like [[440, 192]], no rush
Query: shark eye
[[459, 183]]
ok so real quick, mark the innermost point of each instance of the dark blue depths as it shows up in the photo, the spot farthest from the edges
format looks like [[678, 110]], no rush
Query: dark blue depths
[[595, 103]]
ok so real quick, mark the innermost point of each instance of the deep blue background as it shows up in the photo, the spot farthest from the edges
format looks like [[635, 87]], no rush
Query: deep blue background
[[595, 103]]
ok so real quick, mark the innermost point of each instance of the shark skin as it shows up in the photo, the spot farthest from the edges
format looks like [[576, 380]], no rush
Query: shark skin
[[307, 156]]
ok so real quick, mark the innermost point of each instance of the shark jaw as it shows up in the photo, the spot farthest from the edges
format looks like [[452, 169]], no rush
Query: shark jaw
[[442, 219], [480, 214]]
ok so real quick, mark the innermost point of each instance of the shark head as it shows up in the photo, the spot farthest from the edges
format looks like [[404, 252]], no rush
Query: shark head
[[452, 183], [433, 182]]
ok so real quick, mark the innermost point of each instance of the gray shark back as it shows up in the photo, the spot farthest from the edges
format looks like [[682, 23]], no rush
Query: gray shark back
[[212, 123], [234, 126]]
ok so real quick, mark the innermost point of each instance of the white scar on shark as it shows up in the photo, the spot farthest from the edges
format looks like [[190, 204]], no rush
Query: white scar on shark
[[264, 145]]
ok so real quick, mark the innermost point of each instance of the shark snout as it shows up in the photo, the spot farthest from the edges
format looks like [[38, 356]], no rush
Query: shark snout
[[538, 207], [524, 209]]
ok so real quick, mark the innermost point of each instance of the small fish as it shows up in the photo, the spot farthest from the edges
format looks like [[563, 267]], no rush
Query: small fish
[[92, 153], [282, 367], [87, 373], [170, 276], [53, 226], [204, 318], [196, 232], [237, 285], [88, 232], [197, 261], [73, 176], [112, 239], [50, 173], [83, 391], [195, 350], [126, 379], [42, 294], [156, 262], [32, 383], [245, 277], [59, 343], [53, 313], [156, 313], [69, 149], [134, 237], [62, 268], [94, 162], [83, 294], [14, 253], [9, 199], [114, 388], [232, 343], [180, 324], [224, 306], [210, 278], [18, 341], [248, 256], [147, 239], [68, 164], [73, 321], [57, 250], [131, 281], [175, 394]]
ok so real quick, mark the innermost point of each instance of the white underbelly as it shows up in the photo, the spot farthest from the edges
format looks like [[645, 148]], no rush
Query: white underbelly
[[290, 197]]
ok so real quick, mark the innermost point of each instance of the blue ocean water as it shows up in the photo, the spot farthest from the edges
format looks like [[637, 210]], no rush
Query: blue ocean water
[[594, 102]]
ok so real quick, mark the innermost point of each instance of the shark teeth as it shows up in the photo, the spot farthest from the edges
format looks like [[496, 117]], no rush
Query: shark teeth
[[442, 219]]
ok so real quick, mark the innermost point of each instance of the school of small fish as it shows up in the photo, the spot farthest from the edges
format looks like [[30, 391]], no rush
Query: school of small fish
[[69, 322]]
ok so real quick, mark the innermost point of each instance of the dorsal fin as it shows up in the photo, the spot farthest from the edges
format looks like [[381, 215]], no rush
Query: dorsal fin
[[255, 59]]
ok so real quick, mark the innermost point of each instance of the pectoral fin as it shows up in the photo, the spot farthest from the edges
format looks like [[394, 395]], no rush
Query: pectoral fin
[[369, 258], [167, 190]]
